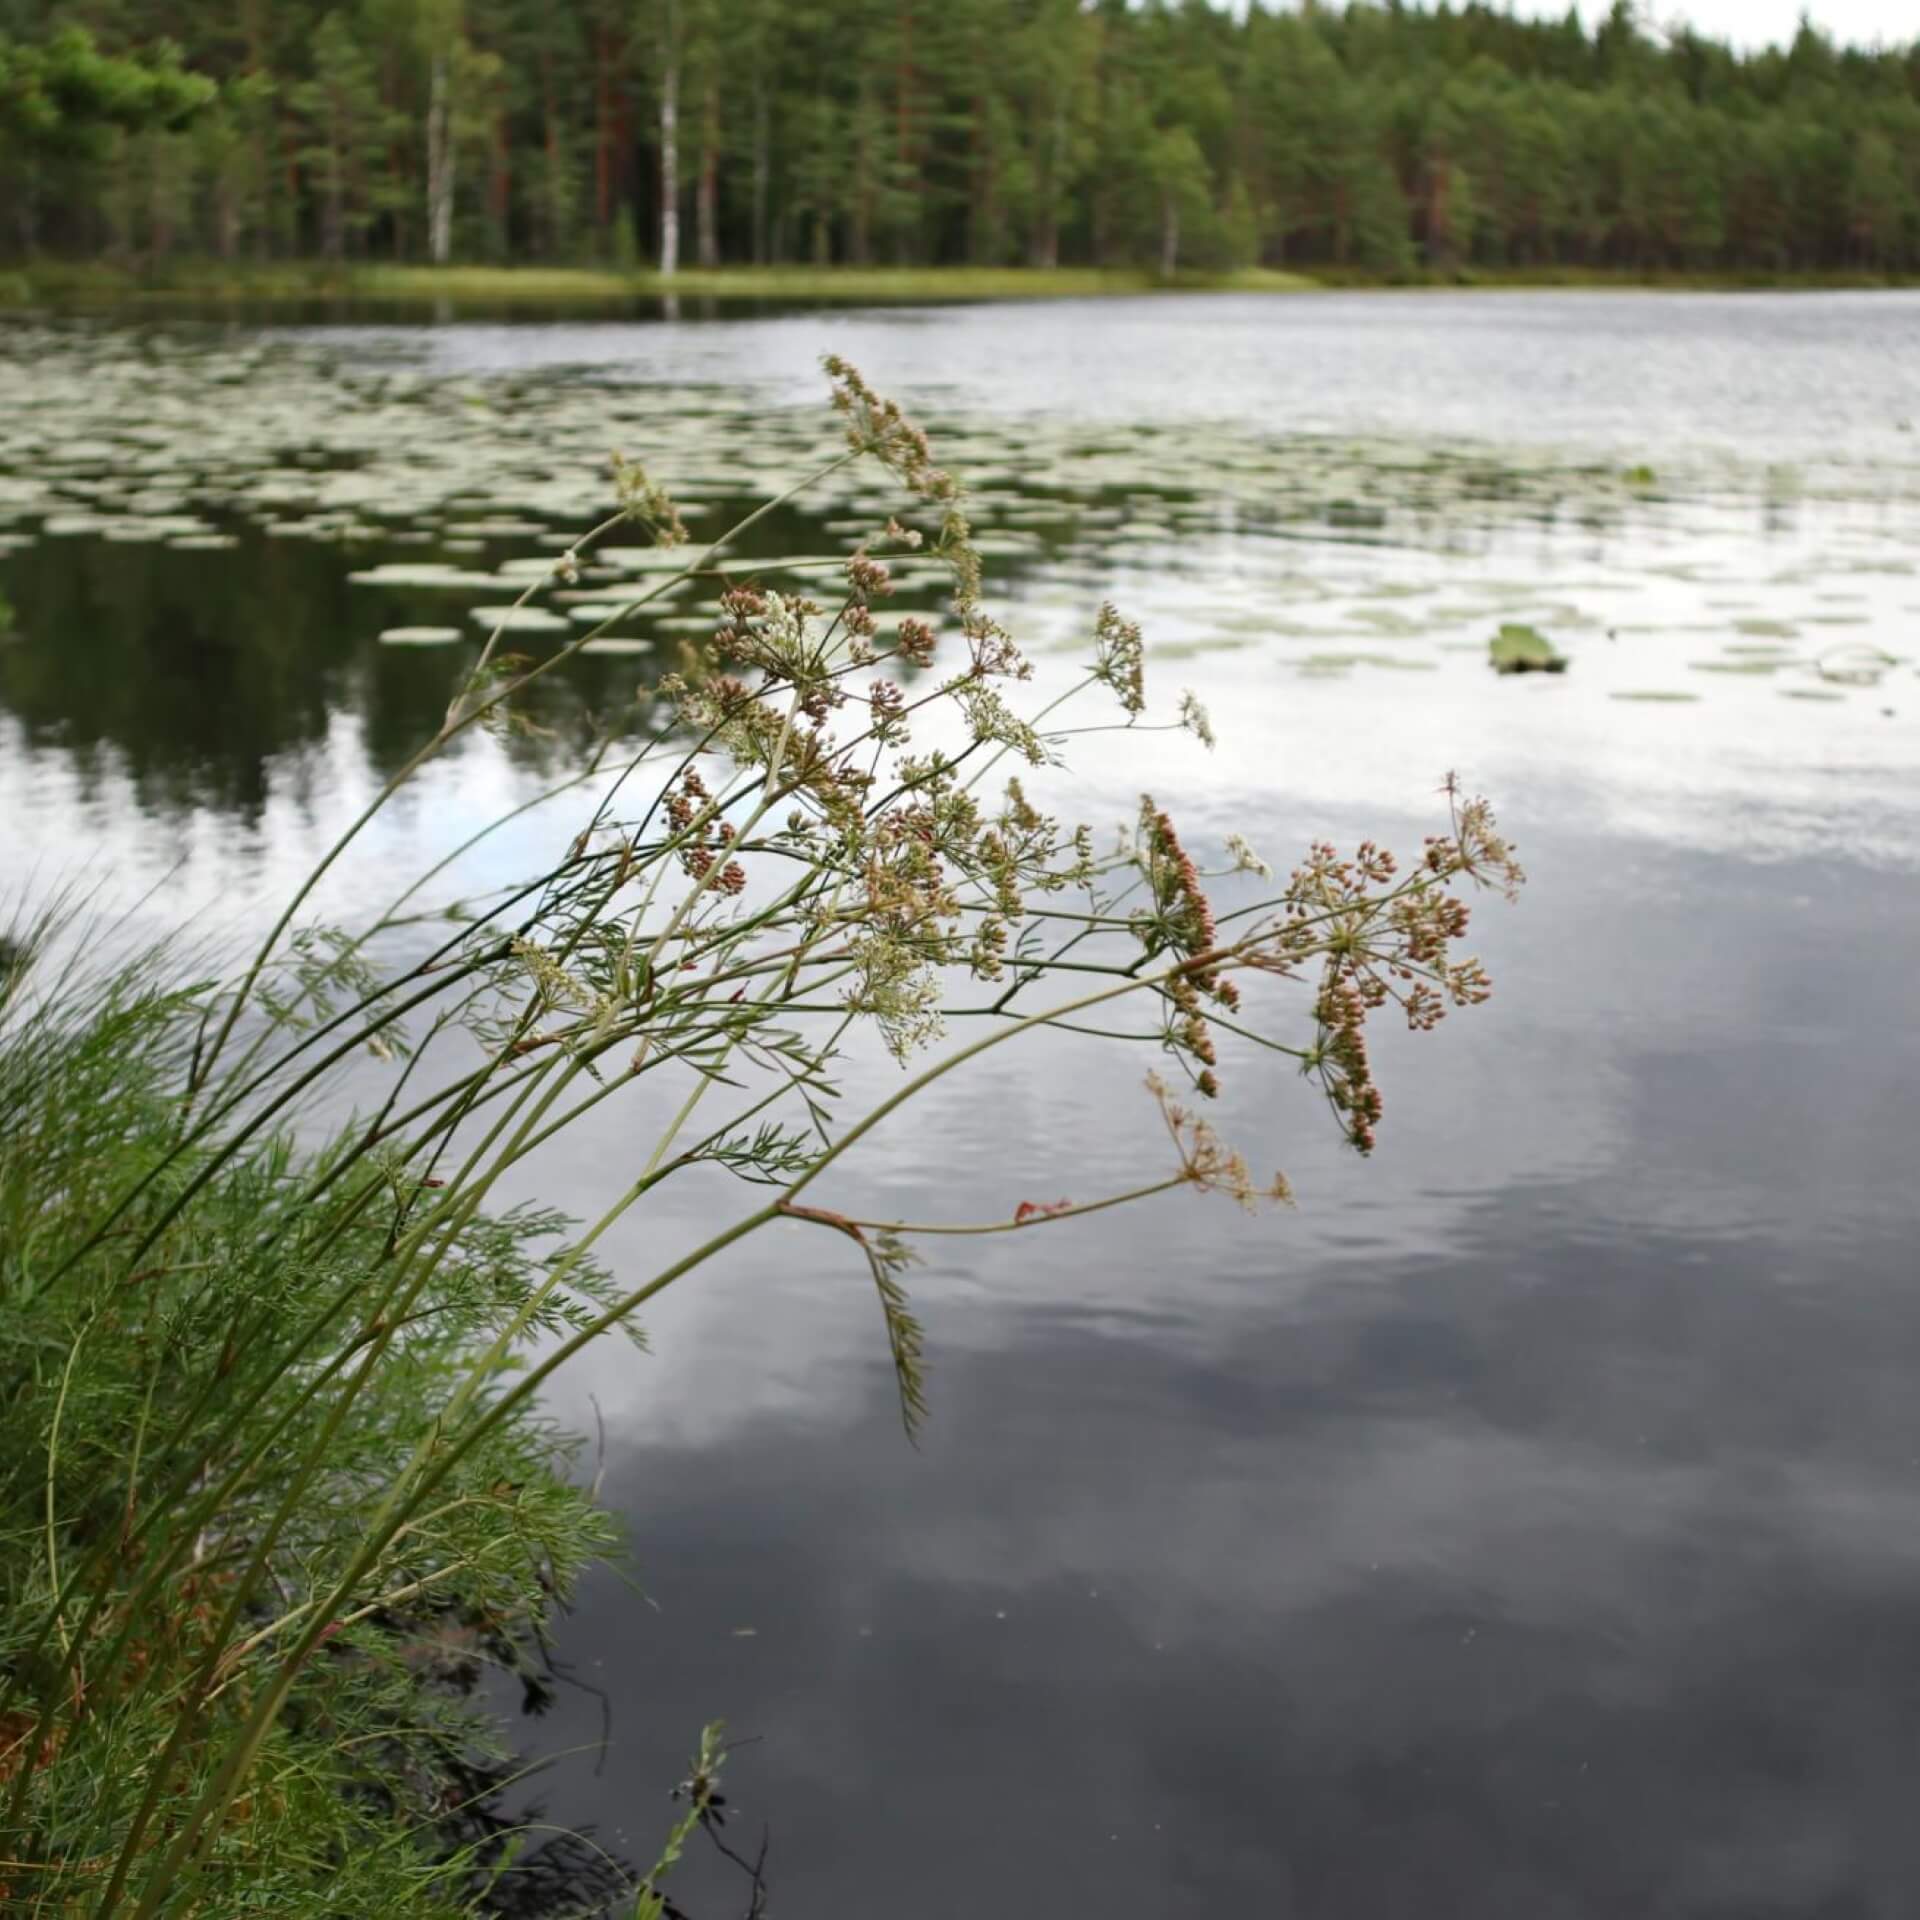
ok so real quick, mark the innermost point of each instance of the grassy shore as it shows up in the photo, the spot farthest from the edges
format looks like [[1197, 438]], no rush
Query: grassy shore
[[1620, 279], [203, 283], [82, 285]]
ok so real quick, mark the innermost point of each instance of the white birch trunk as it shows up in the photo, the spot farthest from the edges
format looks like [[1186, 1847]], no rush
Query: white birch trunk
[[707, 193], [440, 164], [670, 166]]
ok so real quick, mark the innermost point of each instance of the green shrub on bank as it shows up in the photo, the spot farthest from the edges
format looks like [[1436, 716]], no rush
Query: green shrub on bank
[[154, 1419]]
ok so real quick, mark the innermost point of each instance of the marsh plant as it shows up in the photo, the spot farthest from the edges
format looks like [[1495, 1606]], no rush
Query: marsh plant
[[277, 1480]]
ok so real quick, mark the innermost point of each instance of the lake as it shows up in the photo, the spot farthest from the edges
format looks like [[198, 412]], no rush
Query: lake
[[1527, 1523]]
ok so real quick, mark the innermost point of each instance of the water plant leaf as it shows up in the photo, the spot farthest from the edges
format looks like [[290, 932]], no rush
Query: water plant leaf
[[421, 636], [520, 619], [1522, 649], [425, 575]]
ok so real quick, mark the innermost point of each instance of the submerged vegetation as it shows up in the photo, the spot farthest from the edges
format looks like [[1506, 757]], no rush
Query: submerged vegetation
[[277, 1485], [991, 134]]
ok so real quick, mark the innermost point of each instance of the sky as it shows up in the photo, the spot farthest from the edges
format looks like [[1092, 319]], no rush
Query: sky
[[1755, 23]]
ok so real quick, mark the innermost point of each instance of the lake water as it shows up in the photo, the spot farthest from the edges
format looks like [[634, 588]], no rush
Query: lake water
[[1528, 1523]]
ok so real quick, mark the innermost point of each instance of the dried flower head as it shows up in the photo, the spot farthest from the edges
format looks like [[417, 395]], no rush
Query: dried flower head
[[647, 503], [1205, 1164], [1119, 659], [1245, 860], [915, 639]]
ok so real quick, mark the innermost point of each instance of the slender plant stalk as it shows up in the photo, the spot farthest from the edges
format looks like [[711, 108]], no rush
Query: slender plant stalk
[[773, 872]]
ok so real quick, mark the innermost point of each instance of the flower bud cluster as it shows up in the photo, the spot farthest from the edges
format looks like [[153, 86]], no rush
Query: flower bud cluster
[[704, 840]]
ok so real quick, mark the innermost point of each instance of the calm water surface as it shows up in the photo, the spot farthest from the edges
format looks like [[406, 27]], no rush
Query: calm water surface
[[1528, 1525]]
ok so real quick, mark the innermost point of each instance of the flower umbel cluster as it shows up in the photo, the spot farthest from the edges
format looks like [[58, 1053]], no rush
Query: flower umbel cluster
[[1119, 659], [891, 884]]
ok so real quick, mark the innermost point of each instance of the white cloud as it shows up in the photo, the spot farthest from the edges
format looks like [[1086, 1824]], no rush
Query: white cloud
[[1757, 23]]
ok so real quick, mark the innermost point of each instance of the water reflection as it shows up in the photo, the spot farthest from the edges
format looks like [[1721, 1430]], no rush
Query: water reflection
[[1526, 1526], [1539, 1575], [1523, 1528]]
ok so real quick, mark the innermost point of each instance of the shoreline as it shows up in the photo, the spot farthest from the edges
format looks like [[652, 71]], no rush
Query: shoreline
[[82, 287]]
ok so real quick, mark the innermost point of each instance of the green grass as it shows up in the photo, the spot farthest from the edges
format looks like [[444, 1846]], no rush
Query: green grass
[[197, 282], [1612, 279], [127, 1397], [94, 284]]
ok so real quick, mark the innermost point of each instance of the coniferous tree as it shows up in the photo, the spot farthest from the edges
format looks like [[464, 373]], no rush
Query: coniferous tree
[[1375, 138]]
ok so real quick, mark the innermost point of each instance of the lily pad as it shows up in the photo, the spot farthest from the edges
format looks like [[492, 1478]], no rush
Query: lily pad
[[648, 559], [520, 620], [421, 636], [1521, 649], [422, 574], [1333, 662]]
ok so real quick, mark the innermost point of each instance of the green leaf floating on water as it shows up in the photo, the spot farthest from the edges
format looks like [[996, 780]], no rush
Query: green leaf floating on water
[[421, 636], [1355, 513], [1522, 649]]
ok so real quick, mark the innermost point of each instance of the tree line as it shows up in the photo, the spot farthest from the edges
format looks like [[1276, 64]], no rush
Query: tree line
[[1378, 138]]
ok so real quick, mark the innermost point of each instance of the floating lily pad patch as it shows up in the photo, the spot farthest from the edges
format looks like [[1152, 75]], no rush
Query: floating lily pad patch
[[421, 636], [1521, 649], [520, 620], [647, 559], [1184, 649], [1854, 666], [1355, 513], [1339, 662], [423, 575], [1386, 620], [498, 529]]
